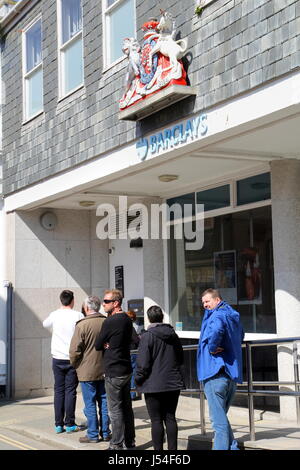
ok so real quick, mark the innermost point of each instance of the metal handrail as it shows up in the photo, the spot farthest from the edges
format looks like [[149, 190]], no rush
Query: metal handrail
[[250, 384]]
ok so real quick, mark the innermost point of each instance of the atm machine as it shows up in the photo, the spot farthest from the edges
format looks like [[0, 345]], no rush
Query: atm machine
[[137, 305]]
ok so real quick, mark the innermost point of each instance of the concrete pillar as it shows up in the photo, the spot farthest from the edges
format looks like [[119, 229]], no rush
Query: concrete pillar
[[285, 177], [2, 296], [153, 261]]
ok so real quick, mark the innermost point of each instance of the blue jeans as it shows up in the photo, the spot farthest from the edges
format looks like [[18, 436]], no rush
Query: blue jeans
[[94, 393], [132, 384], [65, 384], [219, 391]]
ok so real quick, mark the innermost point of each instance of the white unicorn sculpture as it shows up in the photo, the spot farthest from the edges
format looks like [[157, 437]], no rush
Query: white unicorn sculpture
[[167, 45]]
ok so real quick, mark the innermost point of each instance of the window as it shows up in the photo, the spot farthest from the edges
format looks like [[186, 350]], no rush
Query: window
[[236, 258], [33, 70], [215, 198], [185, 199], [70, 46], [119, 23], [253, 189]]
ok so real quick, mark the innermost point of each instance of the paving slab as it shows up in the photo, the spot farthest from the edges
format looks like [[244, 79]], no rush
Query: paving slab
[[34, 418]]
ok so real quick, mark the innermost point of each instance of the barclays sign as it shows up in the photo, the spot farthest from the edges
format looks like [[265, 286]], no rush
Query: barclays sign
[[175, 136]]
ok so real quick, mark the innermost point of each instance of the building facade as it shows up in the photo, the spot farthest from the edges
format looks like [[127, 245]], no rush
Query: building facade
[[232, 147]]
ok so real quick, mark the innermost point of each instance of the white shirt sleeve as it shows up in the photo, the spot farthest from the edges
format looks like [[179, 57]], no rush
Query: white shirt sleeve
[[48, 323]]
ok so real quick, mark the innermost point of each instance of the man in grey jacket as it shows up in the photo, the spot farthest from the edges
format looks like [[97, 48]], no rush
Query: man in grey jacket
[[90, 370]]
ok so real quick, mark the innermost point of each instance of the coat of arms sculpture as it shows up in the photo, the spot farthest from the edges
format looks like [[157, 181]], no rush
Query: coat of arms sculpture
[[154, 65]]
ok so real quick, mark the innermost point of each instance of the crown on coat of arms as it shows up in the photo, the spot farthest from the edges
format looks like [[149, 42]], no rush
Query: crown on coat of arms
[[150, 25]]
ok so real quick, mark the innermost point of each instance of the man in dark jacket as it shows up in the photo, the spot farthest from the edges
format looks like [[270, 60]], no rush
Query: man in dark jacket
[[90, 370], [159, 376], [114, 340]]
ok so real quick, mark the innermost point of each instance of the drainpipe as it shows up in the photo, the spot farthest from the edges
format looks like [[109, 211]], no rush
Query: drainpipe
[[9, 330]]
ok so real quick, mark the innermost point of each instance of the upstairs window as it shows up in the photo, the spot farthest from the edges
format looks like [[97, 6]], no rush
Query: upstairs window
[[119, 21], [33, 70], [70, 46]]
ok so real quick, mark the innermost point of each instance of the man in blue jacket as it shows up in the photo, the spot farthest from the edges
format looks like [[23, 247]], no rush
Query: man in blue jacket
[[219, 363]]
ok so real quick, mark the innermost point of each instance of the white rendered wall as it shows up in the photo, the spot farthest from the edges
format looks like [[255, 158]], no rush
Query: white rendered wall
[[132, 261], [42, 264]]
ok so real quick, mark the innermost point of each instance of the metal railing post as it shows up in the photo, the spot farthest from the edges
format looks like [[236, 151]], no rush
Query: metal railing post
[[202, 411], [250, 388], [296, 379]]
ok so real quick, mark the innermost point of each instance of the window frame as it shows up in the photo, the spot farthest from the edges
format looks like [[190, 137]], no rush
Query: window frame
[[61, 48], [106, 52], [26, 75]]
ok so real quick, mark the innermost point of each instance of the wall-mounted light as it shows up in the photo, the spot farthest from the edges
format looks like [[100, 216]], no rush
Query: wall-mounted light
[[86, 203], [167, 178], [48, 220]]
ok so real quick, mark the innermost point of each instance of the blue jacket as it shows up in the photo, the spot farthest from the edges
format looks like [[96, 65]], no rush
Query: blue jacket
[[220, 327]]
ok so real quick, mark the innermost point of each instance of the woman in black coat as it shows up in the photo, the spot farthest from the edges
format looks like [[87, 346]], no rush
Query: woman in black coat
[[159, 376]]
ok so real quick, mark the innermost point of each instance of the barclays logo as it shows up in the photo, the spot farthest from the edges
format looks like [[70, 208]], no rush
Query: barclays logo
[[190, 130], [142, 148]]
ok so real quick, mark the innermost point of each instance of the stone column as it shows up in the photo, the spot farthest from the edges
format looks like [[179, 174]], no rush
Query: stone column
[[285, 178], [2, 296], [153, 260]]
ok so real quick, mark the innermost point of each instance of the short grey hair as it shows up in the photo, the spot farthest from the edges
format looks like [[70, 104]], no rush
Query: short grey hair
[[92, 302]]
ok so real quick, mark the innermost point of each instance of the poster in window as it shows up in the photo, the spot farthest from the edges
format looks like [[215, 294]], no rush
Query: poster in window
[[249, 277], [225, 275]]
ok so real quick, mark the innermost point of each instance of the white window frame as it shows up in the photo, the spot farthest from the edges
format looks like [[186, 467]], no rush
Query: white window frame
[[61, 48], [106, 32], [26, 75]]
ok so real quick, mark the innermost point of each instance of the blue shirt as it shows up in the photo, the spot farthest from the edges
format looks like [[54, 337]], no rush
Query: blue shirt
[[220, 327]]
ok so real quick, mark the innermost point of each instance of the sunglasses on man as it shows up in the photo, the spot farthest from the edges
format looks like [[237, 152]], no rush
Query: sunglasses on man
[[107, 301]]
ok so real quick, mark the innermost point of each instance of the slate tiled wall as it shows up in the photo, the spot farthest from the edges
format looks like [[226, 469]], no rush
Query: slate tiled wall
[[234, 46]]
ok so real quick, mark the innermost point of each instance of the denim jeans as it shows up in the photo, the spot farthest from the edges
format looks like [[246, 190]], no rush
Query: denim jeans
[[219, 391], [120, 410], [94, 393], [65, 384], [132, 383]]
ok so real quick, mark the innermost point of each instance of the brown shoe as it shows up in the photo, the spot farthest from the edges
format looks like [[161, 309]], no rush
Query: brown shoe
[[87, 440]]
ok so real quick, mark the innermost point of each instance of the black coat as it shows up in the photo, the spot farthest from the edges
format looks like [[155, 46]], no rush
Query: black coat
[[159, 360]]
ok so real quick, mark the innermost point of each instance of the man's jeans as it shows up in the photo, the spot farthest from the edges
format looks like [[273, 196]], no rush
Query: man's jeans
[[65, 384], [219, 391], [120, 410], [132, 383], [94, 393]]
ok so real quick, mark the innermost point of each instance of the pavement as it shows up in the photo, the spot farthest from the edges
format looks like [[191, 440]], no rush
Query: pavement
[[33, 418]]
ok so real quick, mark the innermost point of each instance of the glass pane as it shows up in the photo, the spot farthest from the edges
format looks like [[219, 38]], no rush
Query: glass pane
[[182, 200], [71, 19], [237, 259], [110, 2], [34, 46], [214, 198], [73, 66], [34, 88], [253, 189], [121, 25]]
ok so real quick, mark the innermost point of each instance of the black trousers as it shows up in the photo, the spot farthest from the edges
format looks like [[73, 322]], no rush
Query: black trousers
[[161, 407], [65, 384]]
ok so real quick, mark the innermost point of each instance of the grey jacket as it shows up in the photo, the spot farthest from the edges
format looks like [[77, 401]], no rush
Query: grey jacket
[[83, 356]]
